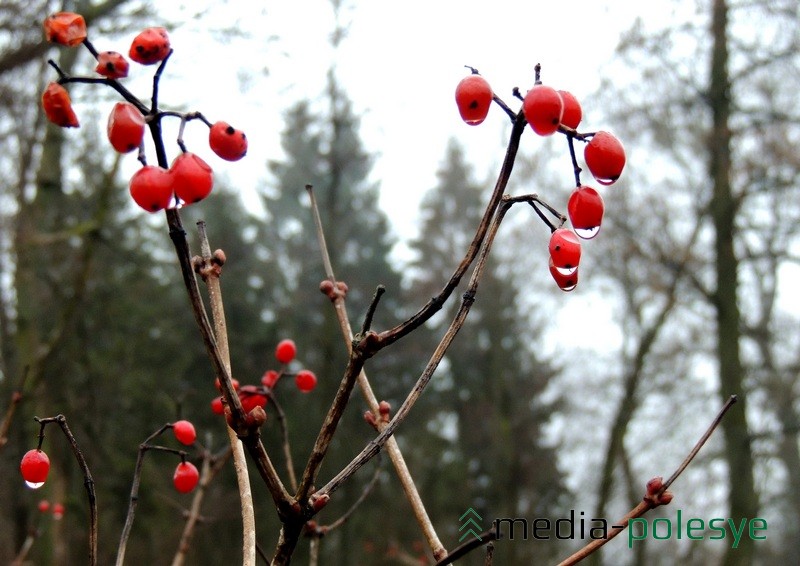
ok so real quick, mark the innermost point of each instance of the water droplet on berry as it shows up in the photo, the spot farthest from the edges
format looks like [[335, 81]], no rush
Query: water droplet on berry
[[566, 270], [587, 233], [34, 485]]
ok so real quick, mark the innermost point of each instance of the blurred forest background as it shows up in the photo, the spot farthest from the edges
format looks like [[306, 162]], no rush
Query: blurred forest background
[[697, 264]]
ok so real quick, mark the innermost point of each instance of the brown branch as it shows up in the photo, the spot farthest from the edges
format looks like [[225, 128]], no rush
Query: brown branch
[[650, 501], [392, 448], [458, 321], [485, 538], [212, 272], [88, 482], [287, 449], [16, 399]]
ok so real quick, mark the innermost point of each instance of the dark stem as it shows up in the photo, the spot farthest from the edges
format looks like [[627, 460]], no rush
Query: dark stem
[[485, 538], [371, 310]]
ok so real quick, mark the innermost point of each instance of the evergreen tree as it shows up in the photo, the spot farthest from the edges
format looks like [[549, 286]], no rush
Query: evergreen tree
[[492, 380]]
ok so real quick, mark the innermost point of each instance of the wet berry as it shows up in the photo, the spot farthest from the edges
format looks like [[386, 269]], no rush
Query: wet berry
[[227, 142], [112, 65], [605, 157], [473, 98], [543, 109], [186, 477], [65, 28], [58, 107], [125, 127], [151, 46]]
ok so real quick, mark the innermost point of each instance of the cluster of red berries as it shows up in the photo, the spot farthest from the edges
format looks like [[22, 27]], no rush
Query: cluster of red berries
[[548, 110], [57, 509], [189, 178], [252, 396]]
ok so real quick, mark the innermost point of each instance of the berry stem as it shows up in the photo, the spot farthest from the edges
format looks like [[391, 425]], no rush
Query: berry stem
[[575, 167], [287, 448], [88, 482], [157, 80]]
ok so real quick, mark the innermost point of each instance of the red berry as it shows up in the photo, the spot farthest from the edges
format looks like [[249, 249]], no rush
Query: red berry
[[58, 107], [192, 178], [35, 466], [112, 65], [585, 208], [184, 432], [572, 110], [251, 398], [605, 157], [186, 477], [65, 28], [227, 142], [216, 406], [473, 98], [44, 506], [565, 250], [125, 127], [565, 281], [543, 109], [151, 188], [270, 378], [285, 351], [305, 380], [58, 511], [150, 46]]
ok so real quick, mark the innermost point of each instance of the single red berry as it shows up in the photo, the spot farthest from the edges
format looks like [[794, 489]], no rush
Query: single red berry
[[270, 378], [44, 506], [186, 477], [572, 110], [565, 281], [585, 208], [227, 142], [35, 466], [285, 351], [473, 98], [305, 380], [605, 157], [217, 407], [184, 432], [125, 127], [565, 250], [151, 46], [192, 178], [112, 65], [58, 107], [543, 109], [151, 188], [58, 511], [65, 28], [251, 398]]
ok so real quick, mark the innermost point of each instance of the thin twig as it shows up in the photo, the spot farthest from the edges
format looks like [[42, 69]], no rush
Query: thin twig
[[287, 448], [650, 501], [239, 460], [88, 482], [392, 448], [16, 399], [485, 538]]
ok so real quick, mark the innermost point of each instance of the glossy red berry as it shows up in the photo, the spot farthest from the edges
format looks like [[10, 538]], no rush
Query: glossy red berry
[[186, 477], [184, 432], [217, 407], [565, 250], [227, 142], [285, 351], [192, 178], [58, 511], [543, 109], [251, 397], [151, 46], [151, 188], [125, 127], [270, 378], [305, 380], [572, 110], [605, 157], [112, 65], [58, 107], [565, 281], [65, 28], [473, 98], [585, 208], [35, 466]]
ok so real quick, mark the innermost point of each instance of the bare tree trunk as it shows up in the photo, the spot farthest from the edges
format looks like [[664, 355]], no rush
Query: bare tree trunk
[[742, 497]]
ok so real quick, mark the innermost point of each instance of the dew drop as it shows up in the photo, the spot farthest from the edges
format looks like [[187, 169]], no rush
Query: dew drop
[[606, 182], [34, 485], [567, 270], [587, 233], [569, 288]]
